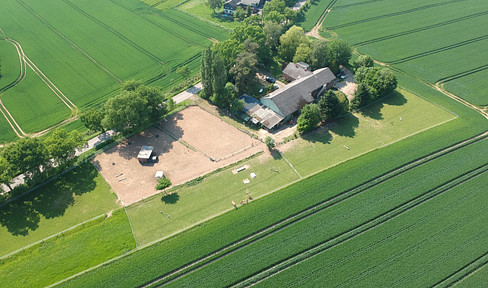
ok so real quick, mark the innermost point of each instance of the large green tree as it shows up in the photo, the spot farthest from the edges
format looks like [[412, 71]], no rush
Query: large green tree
[[364, 61], [330, 106], [131, 110], [92, 119], [320, 55], [303, 53], [28, 156], [273, 31], [62, 145], [290, 42], [7, 172], [244, 71], [340, 51], [361, 97], [379, 81], [228, 51], [214, 4], [309, 118]]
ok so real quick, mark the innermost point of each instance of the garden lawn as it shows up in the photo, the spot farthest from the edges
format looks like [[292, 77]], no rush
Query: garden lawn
[[399, 115], [58, 258], [75, 197], [161, 216], [471, 87], [200, 9]]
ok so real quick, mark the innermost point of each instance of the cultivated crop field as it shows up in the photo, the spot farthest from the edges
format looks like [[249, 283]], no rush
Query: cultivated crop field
[[86, 49], [438, 41]]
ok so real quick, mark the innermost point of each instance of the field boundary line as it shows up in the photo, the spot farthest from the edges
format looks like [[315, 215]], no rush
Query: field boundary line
[[2, 107], [436, 154], [271, 229], [52, 236], [361, 229], [290, 165]]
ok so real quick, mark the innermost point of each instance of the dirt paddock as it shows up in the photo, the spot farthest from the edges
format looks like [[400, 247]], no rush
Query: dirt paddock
[[189, 144]]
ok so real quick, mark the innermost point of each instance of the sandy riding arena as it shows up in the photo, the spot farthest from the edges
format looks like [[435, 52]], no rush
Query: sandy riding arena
[[188, 144]]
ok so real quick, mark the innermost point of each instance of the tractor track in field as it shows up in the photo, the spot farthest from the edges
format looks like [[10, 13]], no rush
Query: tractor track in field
[[464, 272], [420, 29], [70, 42], [416, 9], [358, 230], [315, 30], [299, 216], [153, 10], [177, 35], [115, 32], [438, 50]]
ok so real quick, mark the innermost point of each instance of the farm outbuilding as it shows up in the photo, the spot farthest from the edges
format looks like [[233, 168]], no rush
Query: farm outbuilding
[[145, 154]]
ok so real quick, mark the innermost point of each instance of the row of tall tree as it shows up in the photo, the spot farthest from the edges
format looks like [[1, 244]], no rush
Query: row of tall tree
[[135, 107], [34, 157]]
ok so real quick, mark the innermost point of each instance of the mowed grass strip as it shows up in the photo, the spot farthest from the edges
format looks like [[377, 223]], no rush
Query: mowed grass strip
[[65, 255], [75, 197], [33, 105], [471, 87], [418, 248], [393, 118], [335, 220]]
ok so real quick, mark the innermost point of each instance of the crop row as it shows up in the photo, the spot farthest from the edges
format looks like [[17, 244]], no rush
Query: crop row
[[336, 220], [416, 249], [315, 12], [167, 256]]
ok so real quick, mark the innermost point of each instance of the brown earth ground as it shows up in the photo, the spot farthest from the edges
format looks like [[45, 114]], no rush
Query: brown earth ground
[[186, 143]]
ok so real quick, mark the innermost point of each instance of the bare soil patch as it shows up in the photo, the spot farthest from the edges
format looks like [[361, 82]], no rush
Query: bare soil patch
[[185, 145]]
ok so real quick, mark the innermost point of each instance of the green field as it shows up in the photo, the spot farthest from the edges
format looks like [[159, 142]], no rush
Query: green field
[[10, 70], [106, 43], [79, 195], [417, 37], [471, 87]]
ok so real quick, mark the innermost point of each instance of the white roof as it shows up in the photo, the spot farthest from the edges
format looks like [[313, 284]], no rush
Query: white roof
[[159, 174], [145, 152]]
